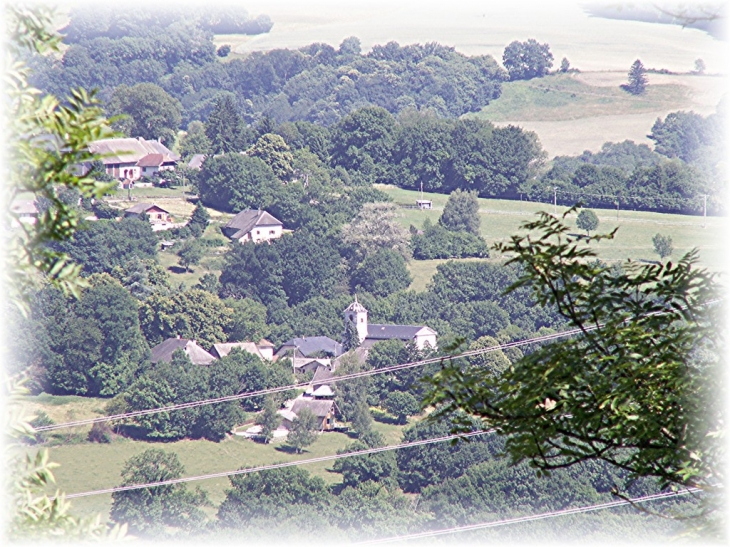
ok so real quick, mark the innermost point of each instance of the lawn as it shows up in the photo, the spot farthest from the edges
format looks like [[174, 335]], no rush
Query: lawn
[[88, 466], [502, 218]]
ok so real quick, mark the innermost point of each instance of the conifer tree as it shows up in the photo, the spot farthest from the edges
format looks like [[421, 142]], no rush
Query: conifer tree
[[351, 338], [637, 79], [225, 128]]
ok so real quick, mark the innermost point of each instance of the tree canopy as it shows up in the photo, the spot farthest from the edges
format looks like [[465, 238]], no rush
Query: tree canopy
[[526, 60], [147, 111]]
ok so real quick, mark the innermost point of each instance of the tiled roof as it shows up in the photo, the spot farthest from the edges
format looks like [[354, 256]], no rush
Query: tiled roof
[[393, 332], [355, 306], [130, 150], [319, 407], [164, 351], [224, 349], [246, 220], [140, 208], [151, 160], [313, 344]]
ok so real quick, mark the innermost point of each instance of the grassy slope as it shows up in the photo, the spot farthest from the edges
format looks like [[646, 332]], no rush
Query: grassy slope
[[502, 218], [565, 97]]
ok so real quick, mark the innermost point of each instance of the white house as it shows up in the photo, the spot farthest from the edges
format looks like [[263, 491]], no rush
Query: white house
[[157, 216], [131, 159], [371, 333], [253, 225]]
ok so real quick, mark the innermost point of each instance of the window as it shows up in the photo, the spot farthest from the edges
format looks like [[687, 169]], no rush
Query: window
[[362, 320], [257, 232], [272, 232]]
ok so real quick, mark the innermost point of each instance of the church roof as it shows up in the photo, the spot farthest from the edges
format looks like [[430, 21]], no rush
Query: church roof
[[396, 332], [356, 307]]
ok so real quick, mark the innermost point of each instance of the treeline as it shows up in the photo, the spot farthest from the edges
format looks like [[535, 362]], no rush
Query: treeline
[[317, 82]]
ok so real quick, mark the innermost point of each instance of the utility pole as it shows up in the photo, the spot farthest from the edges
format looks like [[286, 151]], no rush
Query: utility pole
[[555, 201], [704, 212], [618, 206]]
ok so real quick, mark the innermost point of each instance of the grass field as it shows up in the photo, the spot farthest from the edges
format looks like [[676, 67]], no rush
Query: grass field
[[502, 218], [88, 466]]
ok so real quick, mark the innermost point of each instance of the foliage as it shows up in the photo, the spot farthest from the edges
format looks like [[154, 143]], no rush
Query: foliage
[[685, 135], [577, 400], [190, 253], [102, 245], [401, 404], [564, 65], [439, 242], [382, 273], [275, 153], [662, 245], [194, 314], [637, 79], [379, 467], [268, 419], [461, 212], [195, 141], [587, 220], [35, 120], [304, 430], [352, 396], [100, 432], [351, 338], [225, 128], [248, 320], [527, 60], [375, 227], [199, 220], [233, 182], [149, 511], [146, 110], [92, 346]]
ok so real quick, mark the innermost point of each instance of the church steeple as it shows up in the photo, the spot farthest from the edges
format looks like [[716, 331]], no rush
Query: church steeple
[[356, 314]]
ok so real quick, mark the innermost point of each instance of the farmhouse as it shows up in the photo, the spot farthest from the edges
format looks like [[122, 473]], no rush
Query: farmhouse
[[311, 346], [309, 364], [262, 351], [158, 217], [371, 333], [163, 352], [323, 409], [131, 159], [253, 225]]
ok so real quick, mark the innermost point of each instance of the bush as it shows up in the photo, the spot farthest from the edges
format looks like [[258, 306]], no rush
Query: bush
[[101, 432], [438, 242]]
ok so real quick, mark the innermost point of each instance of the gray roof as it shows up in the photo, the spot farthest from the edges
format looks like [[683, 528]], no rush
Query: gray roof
[[130, 150], [322, 376], [221, 350], [313, 344], [392, 332], [140, 208], [164, 351], [246, 220], [319, 407], [196, 162]]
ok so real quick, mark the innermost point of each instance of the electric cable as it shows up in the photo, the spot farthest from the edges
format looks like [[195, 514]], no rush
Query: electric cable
[[528, 518], [220, 474], [361, 374]]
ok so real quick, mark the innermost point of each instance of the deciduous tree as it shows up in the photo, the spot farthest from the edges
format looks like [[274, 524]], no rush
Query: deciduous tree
[[461, 213], [304, 430], [147, 111], [587, 220], [662, 245], [526, 60]]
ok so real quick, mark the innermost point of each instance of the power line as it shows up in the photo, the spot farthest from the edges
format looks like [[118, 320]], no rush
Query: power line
[[361, 374], [220, 474], [529, 518]]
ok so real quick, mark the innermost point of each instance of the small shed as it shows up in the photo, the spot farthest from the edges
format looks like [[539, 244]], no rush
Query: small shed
[[424, 204]]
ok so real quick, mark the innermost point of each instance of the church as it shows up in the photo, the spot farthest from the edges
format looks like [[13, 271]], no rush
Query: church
[[371, 333]]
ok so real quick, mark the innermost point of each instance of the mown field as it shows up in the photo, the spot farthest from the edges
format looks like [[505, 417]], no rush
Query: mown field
[[502, 218], [88, 466]]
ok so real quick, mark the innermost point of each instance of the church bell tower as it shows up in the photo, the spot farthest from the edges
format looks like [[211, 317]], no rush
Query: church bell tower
[[356, 314]]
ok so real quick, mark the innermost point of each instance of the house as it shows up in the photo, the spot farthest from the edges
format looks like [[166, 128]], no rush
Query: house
[[322, 377], [131, 159], [309, 364], [163, 352], [323, 409], [424, 204], [158, 217], [253, 225], [371, 333], [266, 349], [25, 211], [196, 162], [221, 350], [311, 346]]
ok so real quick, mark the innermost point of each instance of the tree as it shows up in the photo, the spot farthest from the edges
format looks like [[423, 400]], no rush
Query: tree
[[700, 66], [351, 339], [401, 404], [147, 111], [233, 182], [275, 153], [248, 320], [375, 227], [224, 128], [662, 245], [382, 273], [564, 65], [526, 60], [195, 141], [637, 79], [268, 419], [587, 220], [190, 253], [149, 510], [199, 220], [355, 470], [304, 431], [578, 399], [461, 213], [223, 51]]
